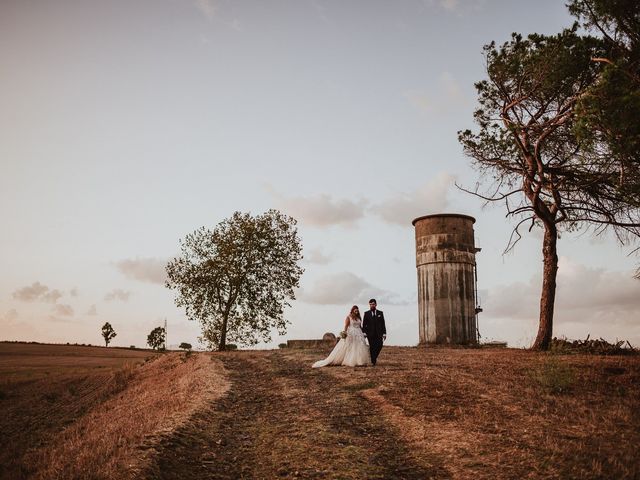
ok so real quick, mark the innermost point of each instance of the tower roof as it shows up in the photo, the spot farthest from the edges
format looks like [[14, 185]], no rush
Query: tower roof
[[458, 215]]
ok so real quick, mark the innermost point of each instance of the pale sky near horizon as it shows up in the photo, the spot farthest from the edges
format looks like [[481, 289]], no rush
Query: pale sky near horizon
[[126, 125]]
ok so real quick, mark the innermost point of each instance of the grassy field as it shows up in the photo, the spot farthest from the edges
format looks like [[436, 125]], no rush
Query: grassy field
[[82, 412], [23, 362]]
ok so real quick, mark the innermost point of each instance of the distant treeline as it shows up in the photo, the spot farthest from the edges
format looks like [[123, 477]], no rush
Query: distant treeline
[[132, 347]]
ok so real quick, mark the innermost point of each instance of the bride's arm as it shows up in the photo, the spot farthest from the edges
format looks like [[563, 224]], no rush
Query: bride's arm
[[346, 323]]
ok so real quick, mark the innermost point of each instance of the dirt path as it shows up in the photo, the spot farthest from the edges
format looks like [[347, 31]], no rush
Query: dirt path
[[282, 419]]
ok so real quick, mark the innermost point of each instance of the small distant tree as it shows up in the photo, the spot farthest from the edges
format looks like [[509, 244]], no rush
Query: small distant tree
[[185, 346], [108, 333], [237, 279], [156, 338]]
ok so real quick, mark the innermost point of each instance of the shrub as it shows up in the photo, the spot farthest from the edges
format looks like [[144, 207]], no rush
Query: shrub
[[132, 347], [231, 346], [554, 376], [282, 345]]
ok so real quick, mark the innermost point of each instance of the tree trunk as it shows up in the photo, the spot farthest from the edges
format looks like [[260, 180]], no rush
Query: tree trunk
[[223, 334], [548, 297]]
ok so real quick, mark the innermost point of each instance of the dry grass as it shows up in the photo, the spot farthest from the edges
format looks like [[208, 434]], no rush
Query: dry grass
[[23, 362], [421, 413], [159, 396], [510, 413], [89, 418], [281, 419], [44, 388]]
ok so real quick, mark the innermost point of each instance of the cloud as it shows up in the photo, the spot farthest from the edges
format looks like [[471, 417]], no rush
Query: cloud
[[316, 257], [37, 292], [322, 210], [455, 5], [13, 329], [11, 316], [451, 87], [345, 288], [449, 4], [588, 300], [117, 294], [236, 25], [73, 292], [607, 290], [320, 10], [401, 209], [150, 270], [51, 296], [207, 7], [92, 310], [442, 98], [430, 198], [64, 310], [32, 293]]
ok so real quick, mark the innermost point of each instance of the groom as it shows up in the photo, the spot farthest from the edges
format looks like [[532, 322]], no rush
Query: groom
[[374, 328]]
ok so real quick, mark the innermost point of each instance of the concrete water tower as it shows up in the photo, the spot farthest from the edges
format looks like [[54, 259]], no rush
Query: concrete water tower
[[446, 263]]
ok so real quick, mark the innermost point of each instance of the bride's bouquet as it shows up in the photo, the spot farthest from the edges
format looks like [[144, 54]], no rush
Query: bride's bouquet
[[343, 334]]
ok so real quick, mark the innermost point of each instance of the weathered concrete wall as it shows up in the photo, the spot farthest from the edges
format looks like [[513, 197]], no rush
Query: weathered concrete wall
[[445, 261]]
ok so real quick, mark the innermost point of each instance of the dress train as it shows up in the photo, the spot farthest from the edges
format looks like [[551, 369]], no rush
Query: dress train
[[352, 351]]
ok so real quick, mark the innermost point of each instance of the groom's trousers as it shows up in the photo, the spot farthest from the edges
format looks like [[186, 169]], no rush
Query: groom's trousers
[[375, 345]]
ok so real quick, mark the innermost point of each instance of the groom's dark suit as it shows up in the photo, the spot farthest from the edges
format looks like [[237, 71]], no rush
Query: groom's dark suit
[[374, 328]]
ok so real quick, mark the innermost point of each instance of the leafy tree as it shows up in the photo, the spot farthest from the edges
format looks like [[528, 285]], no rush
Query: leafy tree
[[607, 115], [108, 333], [237, 279], [185, 346], [156, 338], [528, 147]]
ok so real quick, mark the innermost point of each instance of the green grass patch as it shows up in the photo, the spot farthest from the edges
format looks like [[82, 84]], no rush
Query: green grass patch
[[554, 376]]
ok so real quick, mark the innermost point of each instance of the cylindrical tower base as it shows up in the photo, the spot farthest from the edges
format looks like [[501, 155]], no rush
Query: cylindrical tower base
[[445, 261]]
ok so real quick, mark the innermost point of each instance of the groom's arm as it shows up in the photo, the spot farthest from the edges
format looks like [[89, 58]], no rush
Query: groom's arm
[[384, 328]]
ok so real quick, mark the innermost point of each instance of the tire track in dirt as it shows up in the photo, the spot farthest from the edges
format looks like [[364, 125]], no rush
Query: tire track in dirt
[[280, 418]]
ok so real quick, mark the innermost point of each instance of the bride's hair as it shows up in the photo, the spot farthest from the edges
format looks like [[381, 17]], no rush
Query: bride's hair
[[355, 307]]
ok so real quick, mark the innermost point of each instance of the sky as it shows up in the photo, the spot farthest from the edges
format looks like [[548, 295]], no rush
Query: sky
[[126, 125]]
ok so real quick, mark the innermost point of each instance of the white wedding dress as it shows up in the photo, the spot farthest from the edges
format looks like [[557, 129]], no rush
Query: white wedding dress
[[352, 351]]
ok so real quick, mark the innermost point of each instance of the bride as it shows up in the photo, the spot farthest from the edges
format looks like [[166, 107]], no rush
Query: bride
[[351, 351]]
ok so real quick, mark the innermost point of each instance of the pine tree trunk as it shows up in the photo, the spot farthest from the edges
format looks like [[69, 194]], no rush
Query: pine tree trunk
[[548, 297]]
